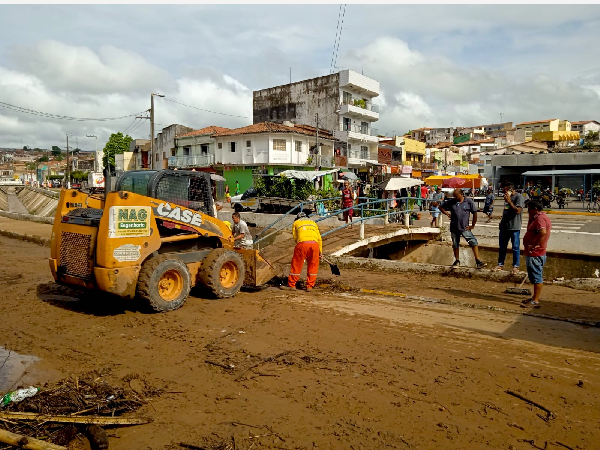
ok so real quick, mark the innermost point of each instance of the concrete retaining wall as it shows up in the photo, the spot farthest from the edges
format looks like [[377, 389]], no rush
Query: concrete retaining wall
[[263, 220], [3, 200], [38, 202], [384, 265], [28, 217]]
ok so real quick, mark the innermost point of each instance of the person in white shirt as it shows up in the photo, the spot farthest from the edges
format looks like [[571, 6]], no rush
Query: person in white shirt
[[241, 234]]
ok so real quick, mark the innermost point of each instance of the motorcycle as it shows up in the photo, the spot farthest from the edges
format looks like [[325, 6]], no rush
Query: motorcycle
[[547, 199]]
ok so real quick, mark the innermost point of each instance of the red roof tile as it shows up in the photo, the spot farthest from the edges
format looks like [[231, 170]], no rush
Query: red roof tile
[[207, 130], [536, 121], [583, 122], [270, 127]]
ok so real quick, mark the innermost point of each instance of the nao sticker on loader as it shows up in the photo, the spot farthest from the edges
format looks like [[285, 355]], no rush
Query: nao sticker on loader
[[129, 221], [167, 211]]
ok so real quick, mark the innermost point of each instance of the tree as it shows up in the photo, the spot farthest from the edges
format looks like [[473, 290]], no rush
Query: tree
[[56, 150], [79, 175], [76, 151], [591, 136], [116, 145], [43, 159], [25, 147], [58, 158]]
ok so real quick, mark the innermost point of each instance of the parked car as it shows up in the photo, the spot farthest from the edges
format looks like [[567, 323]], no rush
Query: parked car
[[76, 186], [248, 201]]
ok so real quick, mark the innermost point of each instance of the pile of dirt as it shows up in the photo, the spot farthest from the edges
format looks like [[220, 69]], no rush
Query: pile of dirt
[[96, 394]]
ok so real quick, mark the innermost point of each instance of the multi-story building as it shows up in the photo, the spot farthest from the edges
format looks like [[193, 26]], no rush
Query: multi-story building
[[489, 129], [196, 149], [269, 148], [437, 135], [583, 127], [140, 149], [554, 131], [341, 102], [420, 134], [164, 145]]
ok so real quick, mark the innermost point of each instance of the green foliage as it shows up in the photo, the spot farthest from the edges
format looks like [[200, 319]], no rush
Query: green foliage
[[591, 136], [55, 177], [56, 150], [58, 158], [79, 175], [284, 188], [331, 205], [588, 145], [596, 188], [117, 144], [43, 159], [360, 103]]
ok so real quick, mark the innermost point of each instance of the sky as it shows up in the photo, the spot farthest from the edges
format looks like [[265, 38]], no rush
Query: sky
[[438, 65]]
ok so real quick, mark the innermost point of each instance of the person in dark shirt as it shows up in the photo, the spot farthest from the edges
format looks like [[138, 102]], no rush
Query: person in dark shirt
[[459, 209], [510, 227], [488, 206]]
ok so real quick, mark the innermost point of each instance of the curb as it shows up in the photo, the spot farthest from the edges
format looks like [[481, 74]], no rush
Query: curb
[[389, 266], [572, 213], [26, 237]]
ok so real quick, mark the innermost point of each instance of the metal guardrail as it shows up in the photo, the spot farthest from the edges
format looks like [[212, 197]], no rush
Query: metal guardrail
[[369, 209]]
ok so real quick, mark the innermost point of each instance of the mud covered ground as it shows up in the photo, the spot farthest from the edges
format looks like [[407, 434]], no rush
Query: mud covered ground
[[336, 368]]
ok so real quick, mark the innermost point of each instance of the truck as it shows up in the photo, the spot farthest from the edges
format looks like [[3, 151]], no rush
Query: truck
[[96, 182]]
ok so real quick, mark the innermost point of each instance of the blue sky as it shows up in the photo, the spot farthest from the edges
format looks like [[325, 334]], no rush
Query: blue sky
[[437, 64]]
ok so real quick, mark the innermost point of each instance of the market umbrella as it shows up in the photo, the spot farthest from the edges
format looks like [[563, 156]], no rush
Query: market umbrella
[[348, 176], [215, 177], [453, 182]]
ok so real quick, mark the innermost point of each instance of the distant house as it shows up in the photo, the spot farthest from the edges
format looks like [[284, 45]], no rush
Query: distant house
[[583, 127]]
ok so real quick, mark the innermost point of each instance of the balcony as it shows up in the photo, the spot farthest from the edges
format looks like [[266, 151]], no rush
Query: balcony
[[191, 161], [357, 133], [323, 161], [359, 83], [358, 110]]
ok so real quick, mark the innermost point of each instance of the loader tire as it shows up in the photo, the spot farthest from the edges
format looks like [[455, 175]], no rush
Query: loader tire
[[164, 283], [223, 272]]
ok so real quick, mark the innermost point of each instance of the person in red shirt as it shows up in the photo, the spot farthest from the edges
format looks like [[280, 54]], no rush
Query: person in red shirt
[[347, 201], [535, 242]]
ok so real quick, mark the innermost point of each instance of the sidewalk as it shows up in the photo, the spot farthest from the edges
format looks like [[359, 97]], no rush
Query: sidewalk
[[38, 233]]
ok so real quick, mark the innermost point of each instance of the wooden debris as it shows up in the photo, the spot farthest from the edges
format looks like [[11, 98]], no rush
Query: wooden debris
[[97, 420], [531, 402], [27, 443], [261, 362]]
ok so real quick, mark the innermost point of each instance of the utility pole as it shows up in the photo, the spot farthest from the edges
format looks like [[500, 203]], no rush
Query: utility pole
[[67, 168], [96, 165], [317, 149], [501, 114], [152, 128]]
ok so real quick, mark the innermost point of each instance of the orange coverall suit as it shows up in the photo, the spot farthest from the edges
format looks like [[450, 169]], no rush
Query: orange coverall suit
[[308, 247]]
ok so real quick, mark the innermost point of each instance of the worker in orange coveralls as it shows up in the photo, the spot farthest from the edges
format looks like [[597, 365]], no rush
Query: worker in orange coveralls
[[309, 247]]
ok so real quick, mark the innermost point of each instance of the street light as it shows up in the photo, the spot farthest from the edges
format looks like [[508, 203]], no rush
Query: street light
[[152, 126], [96, 168], [67, 171]]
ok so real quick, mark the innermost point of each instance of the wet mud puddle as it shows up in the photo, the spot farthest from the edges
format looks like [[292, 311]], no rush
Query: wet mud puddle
[[12, 368]]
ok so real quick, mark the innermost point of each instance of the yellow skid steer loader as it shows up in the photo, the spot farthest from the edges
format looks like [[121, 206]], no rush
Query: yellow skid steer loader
[[155, 237]]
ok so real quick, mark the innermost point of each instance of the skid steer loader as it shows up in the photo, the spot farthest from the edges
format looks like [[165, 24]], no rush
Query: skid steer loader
[[155, 237]]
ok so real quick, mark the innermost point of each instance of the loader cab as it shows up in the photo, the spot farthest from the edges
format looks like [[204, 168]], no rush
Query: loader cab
[[183, 187]]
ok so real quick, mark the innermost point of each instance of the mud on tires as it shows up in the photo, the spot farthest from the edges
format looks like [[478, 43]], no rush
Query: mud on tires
[[164, 283], [223, 272]]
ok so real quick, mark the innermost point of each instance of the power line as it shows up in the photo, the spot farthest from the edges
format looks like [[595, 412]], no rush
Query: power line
[[206, 110], [57, 116], [340, 37], [136, 127], [130, 125], [336, 37]]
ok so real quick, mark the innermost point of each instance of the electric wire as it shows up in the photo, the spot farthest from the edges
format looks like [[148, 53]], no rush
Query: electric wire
[[130, 125], [137, 126], [336, 37], [340, 37], [61, 117], [205, 110]]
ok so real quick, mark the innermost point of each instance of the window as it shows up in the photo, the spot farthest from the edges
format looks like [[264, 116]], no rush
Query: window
[[298, 146], [174, 152], [364, 152], [204, 149], [232, 147], [347, 123], [364, 128], [186, 151], [279, 145], [220, 145], [248, 144], [347, 98]]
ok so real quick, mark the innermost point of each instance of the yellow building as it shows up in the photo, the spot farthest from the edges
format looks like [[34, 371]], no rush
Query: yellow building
[[414, 150], [540, 125], [556, 136], [553, 130]]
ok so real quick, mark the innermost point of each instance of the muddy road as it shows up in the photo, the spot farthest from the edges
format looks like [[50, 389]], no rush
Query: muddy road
[[338, 368]]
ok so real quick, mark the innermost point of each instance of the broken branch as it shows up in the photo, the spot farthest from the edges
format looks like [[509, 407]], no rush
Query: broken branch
[[261, 362], [27, 443], [531, 402], [98, 420]]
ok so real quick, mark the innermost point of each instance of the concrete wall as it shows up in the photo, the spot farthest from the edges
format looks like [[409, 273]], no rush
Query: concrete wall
[[577, 160], [299, 102], [164, 143], [38, 202], [3, 200]]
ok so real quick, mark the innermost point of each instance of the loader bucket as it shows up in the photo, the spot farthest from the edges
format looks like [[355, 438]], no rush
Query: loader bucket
[[258, 269]]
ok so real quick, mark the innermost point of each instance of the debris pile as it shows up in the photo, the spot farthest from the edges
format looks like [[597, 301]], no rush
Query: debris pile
[[76, 407]]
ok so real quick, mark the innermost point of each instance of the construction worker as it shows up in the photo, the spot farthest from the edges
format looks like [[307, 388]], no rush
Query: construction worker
[[309, 247]]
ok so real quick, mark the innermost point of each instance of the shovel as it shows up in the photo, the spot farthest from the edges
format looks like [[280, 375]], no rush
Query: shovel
[[519, 290], [335, 270]]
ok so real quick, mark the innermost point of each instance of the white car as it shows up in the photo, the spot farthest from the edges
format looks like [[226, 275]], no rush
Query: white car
[[248, 201]]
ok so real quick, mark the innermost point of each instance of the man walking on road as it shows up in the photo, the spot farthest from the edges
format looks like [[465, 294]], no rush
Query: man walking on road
[[535, 243], [347, 202], [510, 227], [460, 209], [488, 206], [309, 248]]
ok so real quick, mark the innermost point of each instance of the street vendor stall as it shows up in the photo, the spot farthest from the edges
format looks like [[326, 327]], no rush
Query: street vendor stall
[[471, 181], [397, 183]]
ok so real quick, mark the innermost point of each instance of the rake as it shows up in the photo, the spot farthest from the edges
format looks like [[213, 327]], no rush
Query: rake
[[519, 290]]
